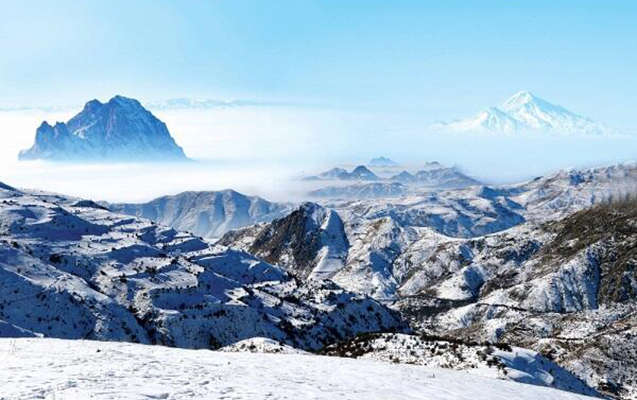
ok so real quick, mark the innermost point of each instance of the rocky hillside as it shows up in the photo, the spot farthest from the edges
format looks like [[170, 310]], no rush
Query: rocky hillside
[[72, 269], [546, 265], [567, 288], [310, 242], [121, 129]]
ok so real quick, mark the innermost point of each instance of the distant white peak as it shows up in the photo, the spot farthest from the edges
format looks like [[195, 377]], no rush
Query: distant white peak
[[521, 98], [491, 119], [540, 113], [525, 111]]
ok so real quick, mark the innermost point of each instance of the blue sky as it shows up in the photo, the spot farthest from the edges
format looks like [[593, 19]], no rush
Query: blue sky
[[436, 59]]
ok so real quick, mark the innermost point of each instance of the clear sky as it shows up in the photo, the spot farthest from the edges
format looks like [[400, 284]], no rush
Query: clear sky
[[360, 78], [442, 59]]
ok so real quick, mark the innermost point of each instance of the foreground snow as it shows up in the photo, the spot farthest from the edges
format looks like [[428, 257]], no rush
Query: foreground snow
[[75, 369]]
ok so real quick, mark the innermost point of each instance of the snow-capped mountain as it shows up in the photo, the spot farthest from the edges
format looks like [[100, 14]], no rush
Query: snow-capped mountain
[[120, 129], [525, 112], [492, 119], [207, 214], [72, 269]]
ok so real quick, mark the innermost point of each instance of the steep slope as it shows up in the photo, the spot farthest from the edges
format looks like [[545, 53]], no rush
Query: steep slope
[[310, 242], [378, 232], [72, 269], [206, 214], [81, 369], [381, 231], [118, 130], [566, 288]]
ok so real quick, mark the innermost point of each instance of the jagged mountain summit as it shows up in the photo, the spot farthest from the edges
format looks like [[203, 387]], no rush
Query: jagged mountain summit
[[119, 130], [526, 113]]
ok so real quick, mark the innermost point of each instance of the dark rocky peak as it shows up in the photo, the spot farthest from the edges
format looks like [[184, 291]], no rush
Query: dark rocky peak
[[121, 129]]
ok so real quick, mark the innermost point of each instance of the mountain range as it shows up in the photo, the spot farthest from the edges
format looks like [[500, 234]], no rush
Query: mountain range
[[72, 269], [465, 274], [119, 130], [526, 113], [547, 264], [431, 175]]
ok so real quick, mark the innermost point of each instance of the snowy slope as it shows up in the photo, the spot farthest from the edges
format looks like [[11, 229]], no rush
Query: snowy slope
[[499, 361], [72, 269], [492, 119], [485, 263], [566, 288], [207, 214], [54, 369]]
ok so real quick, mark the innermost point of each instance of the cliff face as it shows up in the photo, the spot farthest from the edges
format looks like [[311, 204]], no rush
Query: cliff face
[[121, 129]]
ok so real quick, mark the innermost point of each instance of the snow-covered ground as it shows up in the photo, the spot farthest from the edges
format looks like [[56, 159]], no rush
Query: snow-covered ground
[[76, 369]]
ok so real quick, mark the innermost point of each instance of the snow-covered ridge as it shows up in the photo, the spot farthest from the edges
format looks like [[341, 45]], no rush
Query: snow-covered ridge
[[207, 214], [85, 369], [526, 113]]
